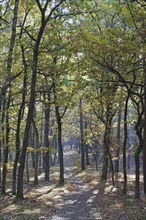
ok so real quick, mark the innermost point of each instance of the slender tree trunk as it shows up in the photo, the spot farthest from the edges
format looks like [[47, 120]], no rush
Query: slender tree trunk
[[3, 141], [47, 143], [1, 147], [37, 146], [33, 157], [111, 166], [138, 150], [30, 114], [105, 165], [137, 165], [55, 144], [41, 143], [96, 159], [87, 155], [86, 146], [124, 147], [27, 167], [20, 112], [82, 137], [31, 143], [118, 138], [0, 162], [106, 150], [10, 53], [144, 147], [6, 152], [36, 180], [9, 63], [60, 147]]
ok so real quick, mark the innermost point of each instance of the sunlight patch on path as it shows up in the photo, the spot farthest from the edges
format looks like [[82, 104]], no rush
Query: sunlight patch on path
[[56, 217], [79, 203]]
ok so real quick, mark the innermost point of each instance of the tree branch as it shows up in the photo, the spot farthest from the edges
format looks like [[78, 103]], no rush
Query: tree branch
[[53, 9]]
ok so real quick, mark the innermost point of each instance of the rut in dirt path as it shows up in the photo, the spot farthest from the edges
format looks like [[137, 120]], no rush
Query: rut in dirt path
[[81, 203]]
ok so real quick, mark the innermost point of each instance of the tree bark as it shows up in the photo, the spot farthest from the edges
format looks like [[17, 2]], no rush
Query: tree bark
[[118, 138], [20, 112], [9, 61], [105, 165], [82, 137], [47, 143], [86, 146], [124, 147], [60, 147], [3, 140], [10, 53], [144, 146], [137, 168], [1, 147], [6, 152], [36, 148], [30, 113], [0, 162], [138, 150], [27, 167], [44, 21], [106, 155]]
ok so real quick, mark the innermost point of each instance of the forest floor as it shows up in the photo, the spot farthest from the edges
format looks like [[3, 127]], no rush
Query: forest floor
[[83, 197]]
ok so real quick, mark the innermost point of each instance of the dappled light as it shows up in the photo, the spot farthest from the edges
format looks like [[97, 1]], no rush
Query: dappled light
[[81, 196], [72, 110]]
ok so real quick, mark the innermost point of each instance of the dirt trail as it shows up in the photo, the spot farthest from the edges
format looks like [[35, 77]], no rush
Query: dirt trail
[[80, 204], [83, 197]]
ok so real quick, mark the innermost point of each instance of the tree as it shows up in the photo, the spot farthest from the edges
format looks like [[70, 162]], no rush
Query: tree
[[82, 137], [5, 87], [44, 22]]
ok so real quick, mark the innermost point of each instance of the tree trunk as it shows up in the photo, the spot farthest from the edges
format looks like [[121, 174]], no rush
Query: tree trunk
[[137, 165], [36, 181], [10, 53], [106, 155], [0, 162], [9, 65], [55, 145], [20, 112], [41, 142], [118, 138], [86, 146], [3, 141], [82, 138], [96, 160], [47, 144], [137, 169], [29, 114], [124, 147], [27, 167], [1, 148], [6, 152], [60, 147], [105, 165], [36, 152], [144, 147], [139, 130], [87, 155]]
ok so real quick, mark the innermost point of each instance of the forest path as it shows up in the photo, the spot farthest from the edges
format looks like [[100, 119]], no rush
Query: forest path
[[80, 203], [83, 197]]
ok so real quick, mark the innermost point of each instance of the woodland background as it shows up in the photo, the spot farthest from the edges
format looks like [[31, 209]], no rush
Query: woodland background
[[72, 75]]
